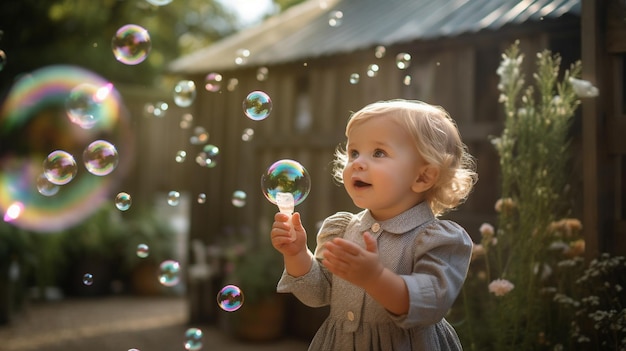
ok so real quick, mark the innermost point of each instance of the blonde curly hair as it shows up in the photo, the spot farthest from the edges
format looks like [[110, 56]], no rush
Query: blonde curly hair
[[436, 138]]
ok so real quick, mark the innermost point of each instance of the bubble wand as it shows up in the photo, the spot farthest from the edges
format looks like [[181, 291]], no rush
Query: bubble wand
[[286, 204]]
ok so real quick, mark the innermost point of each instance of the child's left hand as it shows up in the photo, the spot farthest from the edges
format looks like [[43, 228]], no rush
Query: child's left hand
[[353, 263]]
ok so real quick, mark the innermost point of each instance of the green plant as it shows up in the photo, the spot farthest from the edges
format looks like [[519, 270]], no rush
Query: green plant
[[507, 301]]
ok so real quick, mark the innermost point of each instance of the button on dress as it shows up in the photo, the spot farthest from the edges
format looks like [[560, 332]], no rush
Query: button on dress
[[431, 255]]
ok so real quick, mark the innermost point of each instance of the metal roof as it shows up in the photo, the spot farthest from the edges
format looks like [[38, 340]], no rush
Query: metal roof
[[303, 31]]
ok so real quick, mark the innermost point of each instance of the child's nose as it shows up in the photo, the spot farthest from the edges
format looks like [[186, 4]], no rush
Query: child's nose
[[358, 163]]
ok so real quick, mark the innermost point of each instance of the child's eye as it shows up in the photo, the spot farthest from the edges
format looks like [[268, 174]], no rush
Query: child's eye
[[353, 154], [379, 153]]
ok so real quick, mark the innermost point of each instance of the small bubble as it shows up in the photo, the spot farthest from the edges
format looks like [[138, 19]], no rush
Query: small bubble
[[372, 70], [213, 82], [354, 78], [201, 198], [232, 84], [143, 250], [131, 44], [180, 156], [184, 93], [247, 134], [257, 105], [88, 279], [100, 158], [123, 201], [160, 109], [403, 60], [335, 18], [262, 73], [380, 51], [193, 339], [209, 156], [230, 298], [84, 104], [173, 198], [169, 273], [200, 136], [45, 187], [59, 167], [407, 80], [239, 198], [186, 120]]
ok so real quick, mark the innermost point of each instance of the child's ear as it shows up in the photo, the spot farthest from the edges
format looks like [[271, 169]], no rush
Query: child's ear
[[427, 177]]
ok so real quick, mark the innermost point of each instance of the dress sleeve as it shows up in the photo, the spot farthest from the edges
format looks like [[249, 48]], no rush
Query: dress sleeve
[[313, 289], [440, 264]]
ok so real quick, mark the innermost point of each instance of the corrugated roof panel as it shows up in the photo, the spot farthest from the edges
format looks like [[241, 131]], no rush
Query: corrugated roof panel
[[303, 31]]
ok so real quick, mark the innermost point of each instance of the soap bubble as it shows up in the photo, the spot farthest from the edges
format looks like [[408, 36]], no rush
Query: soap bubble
[[100, 158], [230, 298], [200, 136], [286, 176], [160, 109], [257, 105], [86, 104], [59, 167], [88, 279], [180, 156], [201, 198], [184, 93], [262, 74], [380, 51], [123, 201], [213, 82], [193, 339], [239, 198], [186, 120], [131, 44], [247, 134], [403, 60], [407, 80], [232, 84], [335, 18], [173, 198], [354, 78], [372, 70], [45, 187], [169, 273], [143, 250], [209, 156]]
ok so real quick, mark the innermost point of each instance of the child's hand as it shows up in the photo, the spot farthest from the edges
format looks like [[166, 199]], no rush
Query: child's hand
[[281, 237], [353, 263]]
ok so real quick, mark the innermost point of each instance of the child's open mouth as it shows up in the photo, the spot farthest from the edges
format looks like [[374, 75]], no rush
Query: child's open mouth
[[361, 184]]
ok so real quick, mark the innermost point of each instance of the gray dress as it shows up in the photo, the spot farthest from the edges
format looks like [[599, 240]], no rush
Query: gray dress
[[431, 255]]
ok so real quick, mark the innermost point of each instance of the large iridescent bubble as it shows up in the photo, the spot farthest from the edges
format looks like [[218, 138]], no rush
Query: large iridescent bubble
[[286, 176], [34, 122]]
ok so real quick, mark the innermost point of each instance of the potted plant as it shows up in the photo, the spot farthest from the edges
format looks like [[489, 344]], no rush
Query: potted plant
[[256, 272]]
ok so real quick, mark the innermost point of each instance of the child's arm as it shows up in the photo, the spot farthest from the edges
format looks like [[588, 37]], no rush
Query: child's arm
[[296, 255], [363, 268]]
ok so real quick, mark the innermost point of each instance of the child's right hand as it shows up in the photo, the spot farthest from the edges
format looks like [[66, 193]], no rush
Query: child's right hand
[[281, 237]]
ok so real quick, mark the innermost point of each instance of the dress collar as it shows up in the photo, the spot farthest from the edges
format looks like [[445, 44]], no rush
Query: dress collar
[[402, 223]]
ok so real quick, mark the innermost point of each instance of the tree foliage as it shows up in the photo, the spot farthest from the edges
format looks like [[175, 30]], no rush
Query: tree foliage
[[37, 33]]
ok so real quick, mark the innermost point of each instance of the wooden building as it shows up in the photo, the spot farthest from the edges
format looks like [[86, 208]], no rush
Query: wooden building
[[306, 59]]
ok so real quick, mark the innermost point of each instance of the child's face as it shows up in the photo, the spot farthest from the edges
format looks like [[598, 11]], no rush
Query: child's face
[[383, 167]]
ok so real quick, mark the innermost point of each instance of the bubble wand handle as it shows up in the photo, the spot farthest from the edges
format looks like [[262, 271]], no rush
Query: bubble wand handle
[[286, 204]]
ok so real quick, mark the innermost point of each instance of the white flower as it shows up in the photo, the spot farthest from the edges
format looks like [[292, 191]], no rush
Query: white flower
[[500, 287], [583, 88]]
